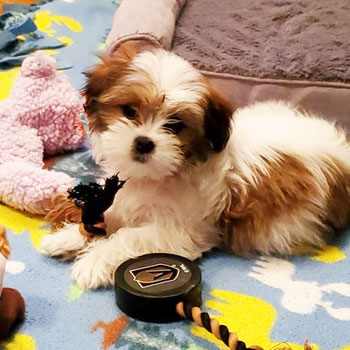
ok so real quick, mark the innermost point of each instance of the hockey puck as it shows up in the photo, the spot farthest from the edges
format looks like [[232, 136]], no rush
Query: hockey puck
[[149, 287]]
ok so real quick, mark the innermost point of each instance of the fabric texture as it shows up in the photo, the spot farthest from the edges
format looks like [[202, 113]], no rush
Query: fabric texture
[[40, 117], [17, 23], [23, 6], [257, 51], [296, 40], [16, 50], [154, 22], [17, 20], [20, 7]]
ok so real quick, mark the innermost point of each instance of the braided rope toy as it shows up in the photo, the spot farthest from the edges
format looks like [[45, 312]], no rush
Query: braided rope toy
[[4, 243], [212, 325], [221, 332]]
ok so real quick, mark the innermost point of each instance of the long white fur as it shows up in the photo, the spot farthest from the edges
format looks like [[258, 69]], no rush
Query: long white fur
[[162, 209], [171, 74], [270, 129]]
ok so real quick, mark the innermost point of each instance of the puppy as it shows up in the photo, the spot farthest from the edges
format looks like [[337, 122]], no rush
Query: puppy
[[266, 178]]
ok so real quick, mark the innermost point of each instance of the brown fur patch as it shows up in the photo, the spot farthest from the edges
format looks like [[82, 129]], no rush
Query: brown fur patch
[[63, 211], [338, 206], [217, 120], [212, 130], [289, 186], [101, 78], [143, 97], [108, 90]]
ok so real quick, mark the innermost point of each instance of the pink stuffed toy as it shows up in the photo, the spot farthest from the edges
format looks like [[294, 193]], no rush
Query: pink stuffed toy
[[41, 116]]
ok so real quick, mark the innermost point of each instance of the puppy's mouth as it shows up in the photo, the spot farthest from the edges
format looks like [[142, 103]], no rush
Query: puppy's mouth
[[140, 158]]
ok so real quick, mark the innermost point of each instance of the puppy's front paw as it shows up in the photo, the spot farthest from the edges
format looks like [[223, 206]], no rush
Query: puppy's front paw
[[65, 242], [93, 271]]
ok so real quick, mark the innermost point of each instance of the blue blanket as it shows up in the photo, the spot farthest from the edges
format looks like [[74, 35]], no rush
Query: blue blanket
[[265, 300]]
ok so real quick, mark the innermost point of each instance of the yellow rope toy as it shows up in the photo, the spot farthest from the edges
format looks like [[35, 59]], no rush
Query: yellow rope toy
[[221, 332], [4, 243], [212, 325]]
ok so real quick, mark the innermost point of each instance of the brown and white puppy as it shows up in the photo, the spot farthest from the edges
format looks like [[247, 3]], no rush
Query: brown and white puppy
[[272, 181]]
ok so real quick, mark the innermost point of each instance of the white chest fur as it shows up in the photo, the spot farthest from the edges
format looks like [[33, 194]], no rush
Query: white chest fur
[[196, 197]]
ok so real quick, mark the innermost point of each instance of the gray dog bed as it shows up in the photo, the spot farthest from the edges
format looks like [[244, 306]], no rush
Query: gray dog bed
[[254, 50]]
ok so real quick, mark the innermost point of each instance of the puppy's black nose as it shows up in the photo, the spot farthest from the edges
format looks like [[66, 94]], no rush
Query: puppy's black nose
[[144, 144]]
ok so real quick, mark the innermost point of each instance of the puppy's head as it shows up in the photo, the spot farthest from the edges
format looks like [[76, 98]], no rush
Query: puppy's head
[[153, 114]]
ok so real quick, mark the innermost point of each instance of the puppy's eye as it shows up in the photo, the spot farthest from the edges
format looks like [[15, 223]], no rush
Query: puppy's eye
[[129, 111], [91, 105], [174, 124]]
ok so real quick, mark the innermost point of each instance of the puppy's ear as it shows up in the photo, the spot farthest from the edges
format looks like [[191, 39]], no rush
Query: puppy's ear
[[102, 76], [217, 121]]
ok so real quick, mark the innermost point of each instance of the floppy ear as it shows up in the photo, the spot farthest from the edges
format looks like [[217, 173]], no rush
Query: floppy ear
[[103, 75], [100, 77], [217, 121]]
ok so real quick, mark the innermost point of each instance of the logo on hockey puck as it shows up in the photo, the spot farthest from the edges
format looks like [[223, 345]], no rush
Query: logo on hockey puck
[[152, 275]]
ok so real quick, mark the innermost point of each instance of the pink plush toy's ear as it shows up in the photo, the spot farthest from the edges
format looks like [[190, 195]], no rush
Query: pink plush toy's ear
[[44, 99]]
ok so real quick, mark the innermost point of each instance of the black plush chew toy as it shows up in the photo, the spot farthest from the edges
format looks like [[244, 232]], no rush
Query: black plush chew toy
[[94, 200]]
